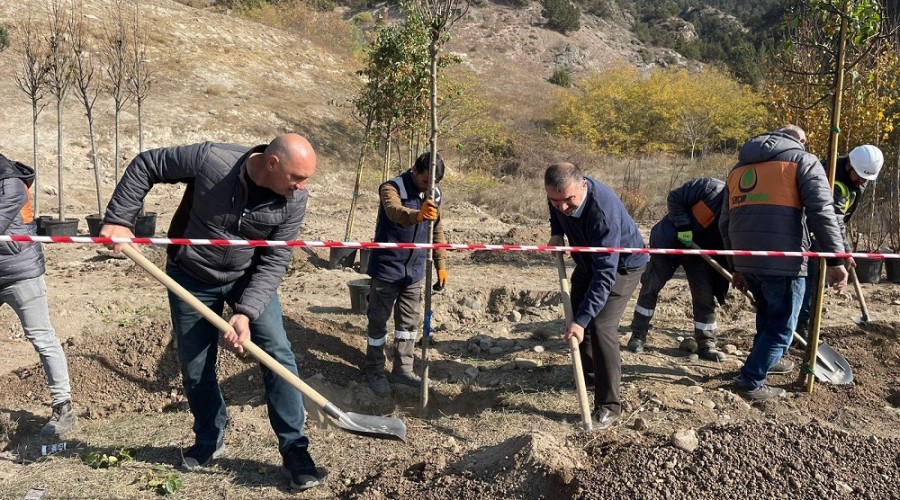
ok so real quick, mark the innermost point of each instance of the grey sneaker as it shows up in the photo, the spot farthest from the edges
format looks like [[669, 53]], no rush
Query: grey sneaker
[[379, 384], [764, 393], [636, 343], [782, 367], [61, 420], [201, 455]]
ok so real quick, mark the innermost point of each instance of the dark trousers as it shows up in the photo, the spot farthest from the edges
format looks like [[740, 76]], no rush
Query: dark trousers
[[601, 352], [701, 281], [197, 349]]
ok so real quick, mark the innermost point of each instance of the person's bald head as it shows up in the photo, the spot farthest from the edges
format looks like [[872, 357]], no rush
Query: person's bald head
[[289, 161], [793, 131]]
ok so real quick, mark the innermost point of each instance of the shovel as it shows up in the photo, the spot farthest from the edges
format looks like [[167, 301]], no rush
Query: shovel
[[830, 366], [586, 422], [366, 425], [865, 318]]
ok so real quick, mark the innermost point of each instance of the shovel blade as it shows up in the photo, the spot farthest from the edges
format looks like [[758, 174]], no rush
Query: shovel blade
[[368, 425], [830, 366], [861, 320], [835, 369]]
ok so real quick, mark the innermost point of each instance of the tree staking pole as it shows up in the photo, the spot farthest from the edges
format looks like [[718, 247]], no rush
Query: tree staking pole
[[861, 20], [813, 345], [438, 17]]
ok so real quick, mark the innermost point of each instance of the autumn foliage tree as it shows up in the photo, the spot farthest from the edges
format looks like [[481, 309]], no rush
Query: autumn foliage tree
[[624, 111]]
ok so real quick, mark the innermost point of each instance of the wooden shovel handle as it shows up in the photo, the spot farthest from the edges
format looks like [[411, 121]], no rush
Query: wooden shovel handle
[[223, 325], [859, 294], [573, 344], [718, 267]]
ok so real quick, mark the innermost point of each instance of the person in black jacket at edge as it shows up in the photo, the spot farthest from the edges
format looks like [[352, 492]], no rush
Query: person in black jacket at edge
[[588, 213], [22, 286]]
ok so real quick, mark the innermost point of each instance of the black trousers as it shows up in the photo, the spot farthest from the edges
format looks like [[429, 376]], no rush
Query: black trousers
[[600, 348]]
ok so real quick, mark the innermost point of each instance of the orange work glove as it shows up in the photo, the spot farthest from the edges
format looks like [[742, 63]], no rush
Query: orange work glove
[[428, 211], [441, 281]]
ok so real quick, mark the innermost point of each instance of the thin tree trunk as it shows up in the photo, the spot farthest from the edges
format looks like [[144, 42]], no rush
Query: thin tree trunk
[[116, 149], [59, 158], [429, 262], [816, 313], [359, 167], [140, 129], [34, 157], [90, 119]]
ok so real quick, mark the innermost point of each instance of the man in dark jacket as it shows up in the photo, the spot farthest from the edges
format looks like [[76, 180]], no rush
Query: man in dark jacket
[[22, 286], [588, 213], [850, 177], [693, 217], [773, 193], [397, 275], [234, 192]]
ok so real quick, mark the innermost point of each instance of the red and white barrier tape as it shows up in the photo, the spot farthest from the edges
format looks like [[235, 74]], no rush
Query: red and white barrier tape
[[437, 246]]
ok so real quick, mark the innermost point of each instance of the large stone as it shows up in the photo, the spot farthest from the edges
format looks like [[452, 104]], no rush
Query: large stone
[[689, 345], [685, 439]]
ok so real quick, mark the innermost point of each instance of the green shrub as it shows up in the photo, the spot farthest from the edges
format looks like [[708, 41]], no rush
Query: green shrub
[[4, 37], [561, 15], [561, 77]]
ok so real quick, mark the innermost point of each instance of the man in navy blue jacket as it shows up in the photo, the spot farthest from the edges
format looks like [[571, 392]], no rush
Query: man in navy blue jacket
[[589, 213]]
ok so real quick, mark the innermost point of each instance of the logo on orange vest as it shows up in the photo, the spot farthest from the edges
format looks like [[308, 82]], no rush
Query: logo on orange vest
[[748, 180]]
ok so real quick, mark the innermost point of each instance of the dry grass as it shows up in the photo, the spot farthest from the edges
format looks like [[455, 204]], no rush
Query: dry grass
[[324, 29]]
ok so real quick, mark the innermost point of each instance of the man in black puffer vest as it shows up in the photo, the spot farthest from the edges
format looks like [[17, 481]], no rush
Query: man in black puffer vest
[[397, 275]]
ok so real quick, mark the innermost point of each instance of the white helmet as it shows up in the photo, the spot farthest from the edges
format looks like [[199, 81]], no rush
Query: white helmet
[[866, 160]]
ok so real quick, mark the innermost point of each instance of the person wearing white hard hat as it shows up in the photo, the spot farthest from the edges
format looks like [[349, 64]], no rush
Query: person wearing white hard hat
[[851, 175]]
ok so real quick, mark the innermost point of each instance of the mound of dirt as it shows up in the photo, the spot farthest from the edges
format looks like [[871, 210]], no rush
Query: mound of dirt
[[135, 370], [748, 461], [517, 236], [545, 463]]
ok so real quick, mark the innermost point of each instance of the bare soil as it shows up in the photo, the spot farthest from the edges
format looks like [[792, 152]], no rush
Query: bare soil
[[492, 429]]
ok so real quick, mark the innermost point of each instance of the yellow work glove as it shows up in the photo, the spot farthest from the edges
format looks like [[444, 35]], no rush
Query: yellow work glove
[[686, 237], [441, 281], [428, 211]]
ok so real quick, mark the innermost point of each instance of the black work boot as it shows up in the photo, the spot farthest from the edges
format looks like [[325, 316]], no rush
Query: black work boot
[[706, 346], [300, 469], [404, 357], [636, 343], [373, 371], [61, 420]]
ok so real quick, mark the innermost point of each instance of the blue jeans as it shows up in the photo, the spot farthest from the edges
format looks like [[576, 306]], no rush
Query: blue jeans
[[777, 305], [197, 348], [28, 298]]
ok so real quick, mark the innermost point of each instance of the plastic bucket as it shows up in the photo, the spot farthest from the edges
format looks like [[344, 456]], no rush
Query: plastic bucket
[[892, 270], [145, 225], [95, 223], [869, 270], [339, 258], [359, 295], [56, 227]]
